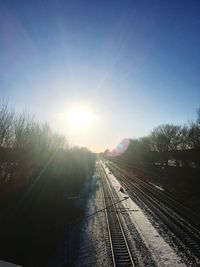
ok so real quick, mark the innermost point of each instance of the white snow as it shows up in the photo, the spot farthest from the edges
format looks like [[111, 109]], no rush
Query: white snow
[[163, 254], [7, 264], [94, 237], [158, 187]]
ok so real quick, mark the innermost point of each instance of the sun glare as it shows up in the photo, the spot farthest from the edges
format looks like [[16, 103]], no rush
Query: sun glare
[[79, 117]]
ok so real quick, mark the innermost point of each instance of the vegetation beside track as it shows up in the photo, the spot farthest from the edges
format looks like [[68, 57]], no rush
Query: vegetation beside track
[[169, 157], [40, 179]]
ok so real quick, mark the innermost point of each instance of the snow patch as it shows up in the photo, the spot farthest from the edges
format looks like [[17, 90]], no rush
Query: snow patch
[[163, 254], [158, 187], [94, 247]]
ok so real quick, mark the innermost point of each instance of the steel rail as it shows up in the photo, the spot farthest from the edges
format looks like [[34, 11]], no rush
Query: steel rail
[[183, 230], [108, 228], [119, 245], [171, 204], [185, 212]]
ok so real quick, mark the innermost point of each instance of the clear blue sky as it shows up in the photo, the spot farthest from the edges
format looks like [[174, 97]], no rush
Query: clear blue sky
[[136, 64]]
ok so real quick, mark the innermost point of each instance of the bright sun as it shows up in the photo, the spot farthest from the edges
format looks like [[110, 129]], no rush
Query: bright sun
[[79, 117]]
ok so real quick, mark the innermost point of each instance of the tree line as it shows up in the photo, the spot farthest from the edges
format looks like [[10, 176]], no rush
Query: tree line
[[25, 145], [41, 177], [168, 144]]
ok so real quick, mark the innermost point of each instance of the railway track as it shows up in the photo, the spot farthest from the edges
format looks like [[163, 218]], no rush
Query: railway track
[[163, 207], [121, 254], [188, 214]]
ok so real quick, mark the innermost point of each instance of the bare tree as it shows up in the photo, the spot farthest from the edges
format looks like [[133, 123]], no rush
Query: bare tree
[[6, 123], [184, 138], [30, 144], [166, 137], [198, 116], [145, 144], [194, 136], [23, 126], [194, 132]]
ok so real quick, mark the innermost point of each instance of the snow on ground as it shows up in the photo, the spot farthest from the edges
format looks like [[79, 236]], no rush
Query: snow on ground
[[158, 187], [94, 243], [7, 264], [162, 253]]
